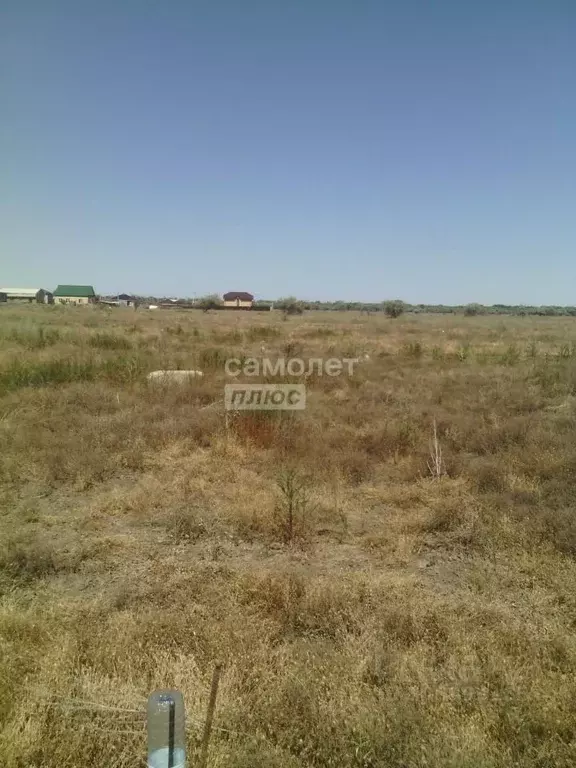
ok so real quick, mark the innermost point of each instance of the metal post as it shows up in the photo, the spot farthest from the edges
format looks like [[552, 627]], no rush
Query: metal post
[[210, 716], [171, 710]]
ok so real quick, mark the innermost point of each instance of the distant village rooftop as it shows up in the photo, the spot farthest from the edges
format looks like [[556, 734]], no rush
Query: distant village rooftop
[[39, 295], [20, 291], [77, 291], [238, 296]]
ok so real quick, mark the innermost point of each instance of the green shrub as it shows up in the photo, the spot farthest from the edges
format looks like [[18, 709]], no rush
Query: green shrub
[[212, 301], [393, 308], [471, 310], [290, 306]]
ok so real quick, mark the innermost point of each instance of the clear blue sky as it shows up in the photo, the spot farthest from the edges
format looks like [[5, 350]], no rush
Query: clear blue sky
[[419, 149]]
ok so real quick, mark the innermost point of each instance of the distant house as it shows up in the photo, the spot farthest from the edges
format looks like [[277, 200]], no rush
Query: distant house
[[122, 300], [30, 295], [238, 299], [125, 300], [75, 294]]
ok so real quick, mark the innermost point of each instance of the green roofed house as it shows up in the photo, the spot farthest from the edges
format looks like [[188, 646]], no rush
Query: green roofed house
[[74, 294]]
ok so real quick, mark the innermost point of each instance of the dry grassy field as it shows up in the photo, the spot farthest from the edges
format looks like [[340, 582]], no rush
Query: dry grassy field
[[421, 611]]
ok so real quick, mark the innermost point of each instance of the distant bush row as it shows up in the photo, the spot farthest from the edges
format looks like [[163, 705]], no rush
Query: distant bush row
[[393, 308]]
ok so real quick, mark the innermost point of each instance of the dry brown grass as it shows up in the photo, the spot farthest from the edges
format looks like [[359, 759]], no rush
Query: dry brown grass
[[409, 618]]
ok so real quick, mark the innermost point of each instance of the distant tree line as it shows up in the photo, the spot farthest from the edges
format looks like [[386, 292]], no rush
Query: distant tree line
[[392, 308]]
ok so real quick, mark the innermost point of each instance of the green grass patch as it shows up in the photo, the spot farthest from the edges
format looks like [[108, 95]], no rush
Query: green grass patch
[[32, 338], [41, 373], [108, 341]]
